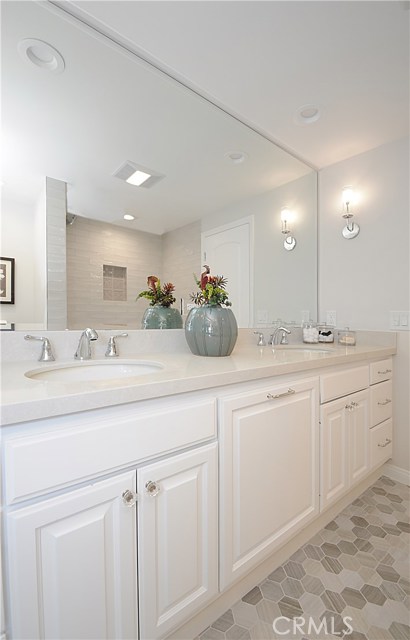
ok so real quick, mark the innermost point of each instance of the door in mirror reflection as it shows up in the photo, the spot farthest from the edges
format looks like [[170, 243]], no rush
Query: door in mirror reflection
[[227, 251]]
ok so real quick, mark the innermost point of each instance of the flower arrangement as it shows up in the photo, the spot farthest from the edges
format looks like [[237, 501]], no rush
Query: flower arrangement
[[157, 294], [212, 290]]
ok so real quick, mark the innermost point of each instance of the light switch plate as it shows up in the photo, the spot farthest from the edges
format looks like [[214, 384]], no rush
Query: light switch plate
[[399, 320]]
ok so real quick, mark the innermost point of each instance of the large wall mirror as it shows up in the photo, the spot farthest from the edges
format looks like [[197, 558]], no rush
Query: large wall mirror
[[72, 128]]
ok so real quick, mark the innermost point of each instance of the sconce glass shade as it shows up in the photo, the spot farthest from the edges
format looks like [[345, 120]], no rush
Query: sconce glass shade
[[347, 196], [285, 215]]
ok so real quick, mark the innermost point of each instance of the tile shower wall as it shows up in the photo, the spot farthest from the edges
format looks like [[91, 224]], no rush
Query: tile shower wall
[[181, 258], [56, 207], [92, 244]]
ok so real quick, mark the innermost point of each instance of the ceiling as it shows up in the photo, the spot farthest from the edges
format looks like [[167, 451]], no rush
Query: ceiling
[[262, 60], [258, 61]]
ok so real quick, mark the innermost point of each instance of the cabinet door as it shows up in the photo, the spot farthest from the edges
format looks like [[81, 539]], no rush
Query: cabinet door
[[177, 539], [269, 472], [73, 565], [334, 465], [344, 445], [358, 437]]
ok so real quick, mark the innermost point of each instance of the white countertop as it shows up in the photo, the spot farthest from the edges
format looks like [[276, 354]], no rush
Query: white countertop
[[26, 399]]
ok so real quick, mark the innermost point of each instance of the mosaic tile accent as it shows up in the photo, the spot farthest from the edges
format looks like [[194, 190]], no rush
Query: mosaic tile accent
[[356, 569]]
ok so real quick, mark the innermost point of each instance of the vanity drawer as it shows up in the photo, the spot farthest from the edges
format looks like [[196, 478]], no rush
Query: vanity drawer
[[381, 370], [341, 383], [91, 446], [381, 402], [381, 448]]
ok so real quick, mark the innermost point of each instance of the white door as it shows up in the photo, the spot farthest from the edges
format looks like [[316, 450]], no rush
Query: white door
[[73, 565], [227, 250], [269, 481], [177, 539]]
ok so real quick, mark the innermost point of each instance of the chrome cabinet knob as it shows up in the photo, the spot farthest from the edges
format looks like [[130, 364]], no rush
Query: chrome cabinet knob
[[152, 488], [129, 498]]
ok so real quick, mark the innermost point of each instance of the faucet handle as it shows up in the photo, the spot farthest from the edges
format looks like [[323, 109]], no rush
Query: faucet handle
[[261, 338], [285, 333], [112, 347], [46, 354]]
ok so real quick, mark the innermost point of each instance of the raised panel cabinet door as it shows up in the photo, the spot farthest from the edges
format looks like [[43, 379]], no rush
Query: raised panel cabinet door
[[177, 539], [358, 436], [269, 482], [72, 571], [334, 464]]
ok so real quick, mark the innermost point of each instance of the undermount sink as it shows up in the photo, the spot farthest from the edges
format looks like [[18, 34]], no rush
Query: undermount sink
[[91, 371]]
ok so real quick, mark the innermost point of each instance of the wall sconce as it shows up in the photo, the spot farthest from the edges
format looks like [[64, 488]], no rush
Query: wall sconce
[[352, 229], [290, 241]]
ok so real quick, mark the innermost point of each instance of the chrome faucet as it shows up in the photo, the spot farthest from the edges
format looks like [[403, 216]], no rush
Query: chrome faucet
[[274, 339], [112, 351], [46, 352], [84, 345]]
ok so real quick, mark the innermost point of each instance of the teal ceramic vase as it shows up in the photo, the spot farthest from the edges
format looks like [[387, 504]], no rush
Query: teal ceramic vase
[[158, 317], [211, 331]]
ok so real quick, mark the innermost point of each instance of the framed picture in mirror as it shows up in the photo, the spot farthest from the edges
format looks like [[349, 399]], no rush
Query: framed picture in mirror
[[7, 268]]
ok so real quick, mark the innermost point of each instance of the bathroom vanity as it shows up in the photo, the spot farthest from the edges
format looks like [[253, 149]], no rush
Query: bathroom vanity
[[133, 507]]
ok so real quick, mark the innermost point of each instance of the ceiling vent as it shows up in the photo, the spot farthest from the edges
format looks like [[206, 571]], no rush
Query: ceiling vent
[[137, 175]]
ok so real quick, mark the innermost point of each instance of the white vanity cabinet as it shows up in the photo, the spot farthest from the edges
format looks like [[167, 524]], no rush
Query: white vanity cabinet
[[177, 539], [344, 449], [381, 424], [79, 546], [269, 482], [72, 565], [344, 432]]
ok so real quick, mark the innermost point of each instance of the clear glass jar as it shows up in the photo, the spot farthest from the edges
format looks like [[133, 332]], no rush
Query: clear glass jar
[[325, 333], [347, 337], [310, 332]]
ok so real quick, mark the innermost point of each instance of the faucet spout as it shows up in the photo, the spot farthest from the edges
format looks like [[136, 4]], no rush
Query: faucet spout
[[84, 345], [274, 339]]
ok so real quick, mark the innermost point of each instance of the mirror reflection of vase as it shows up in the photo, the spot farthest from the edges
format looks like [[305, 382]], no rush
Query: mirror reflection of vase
[[211, 331], [158, 317]]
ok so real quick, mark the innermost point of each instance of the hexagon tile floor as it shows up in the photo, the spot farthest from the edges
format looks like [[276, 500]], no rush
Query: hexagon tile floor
[[351, 580]]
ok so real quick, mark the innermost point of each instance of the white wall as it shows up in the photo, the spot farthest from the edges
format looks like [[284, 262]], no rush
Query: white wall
[[365, 278], [20, 237], [284, 281]]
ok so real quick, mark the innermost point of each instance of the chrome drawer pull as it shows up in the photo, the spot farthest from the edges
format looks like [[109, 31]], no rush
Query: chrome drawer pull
[[388, 441], [289, 392], [387, 401], [382, 373]]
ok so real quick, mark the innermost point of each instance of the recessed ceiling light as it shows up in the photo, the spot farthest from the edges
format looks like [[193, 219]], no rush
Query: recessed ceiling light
[[128, 216], [137, 175], [138, 178], [307, 114], [41, 54], [237, 157]]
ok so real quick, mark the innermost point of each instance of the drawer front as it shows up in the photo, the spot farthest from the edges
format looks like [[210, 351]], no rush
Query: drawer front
[[381, 370], [381, 448], [38, 464], [381, 402], [341, 383]]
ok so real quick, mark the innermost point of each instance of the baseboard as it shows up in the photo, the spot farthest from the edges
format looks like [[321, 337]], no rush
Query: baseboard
[[396, 473]]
